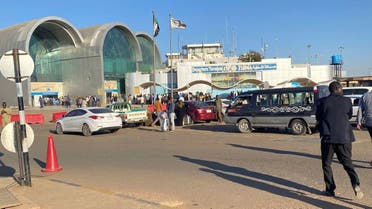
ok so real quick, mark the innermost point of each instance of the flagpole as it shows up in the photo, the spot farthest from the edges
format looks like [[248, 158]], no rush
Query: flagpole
[[153, 69], [153, 62], [171, 57]]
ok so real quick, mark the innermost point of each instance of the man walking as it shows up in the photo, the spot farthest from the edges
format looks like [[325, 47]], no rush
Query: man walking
[[365, 111], [158, 110], [219, 109], [333, 114]]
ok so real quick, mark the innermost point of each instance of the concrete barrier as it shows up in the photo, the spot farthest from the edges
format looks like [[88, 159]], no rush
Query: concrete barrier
[[30, 118], [57, 115]]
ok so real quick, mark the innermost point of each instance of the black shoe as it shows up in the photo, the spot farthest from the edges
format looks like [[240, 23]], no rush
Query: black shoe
[[358, 192], [328, 193]]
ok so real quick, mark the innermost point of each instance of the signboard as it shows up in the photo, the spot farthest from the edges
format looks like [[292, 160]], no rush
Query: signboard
[[7, 138], [244, 67], [26, 65], [47, 88]]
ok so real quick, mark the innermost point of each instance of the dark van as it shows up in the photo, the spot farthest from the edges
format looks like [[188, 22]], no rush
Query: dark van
[[292, 108]]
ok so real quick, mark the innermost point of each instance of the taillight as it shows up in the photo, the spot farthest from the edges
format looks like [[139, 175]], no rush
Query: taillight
[[315, 89], [95, 117], [231, 110], [200, 110]]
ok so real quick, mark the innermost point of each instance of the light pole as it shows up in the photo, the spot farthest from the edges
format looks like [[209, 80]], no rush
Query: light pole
[[340, 50], [308, 61]]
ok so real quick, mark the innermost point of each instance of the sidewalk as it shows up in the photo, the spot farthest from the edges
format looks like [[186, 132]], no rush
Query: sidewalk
[[54, 194]]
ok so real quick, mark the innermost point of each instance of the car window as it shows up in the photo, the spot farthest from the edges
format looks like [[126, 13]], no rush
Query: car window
[[80, 112], [71, 113], [100, 110], [242, 100]]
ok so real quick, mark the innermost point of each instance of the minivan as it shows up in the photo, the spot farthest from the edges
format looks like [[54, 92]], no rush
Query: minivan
[[291, 108]]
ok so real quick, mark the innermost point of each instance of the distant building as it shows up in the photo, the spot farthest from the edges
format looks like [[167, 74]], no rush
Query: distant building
[[207, 64]]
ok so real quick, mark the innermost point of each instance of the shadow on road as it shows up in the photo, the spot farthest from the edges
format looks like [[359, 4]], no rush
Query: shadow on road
[[231, 173], [5, 171], [286, 152], [42, 164], [213, 127]]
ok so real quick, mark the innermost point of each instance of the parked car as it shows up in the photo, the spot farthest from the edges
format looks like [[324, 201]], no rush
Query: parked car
[[129, 115], [198, 111], [355, 93], [88, 121]]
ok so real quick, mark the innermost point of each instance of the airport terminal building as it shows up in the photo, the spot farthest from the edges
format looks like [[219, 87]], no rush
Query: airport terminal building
[[77, 62], [110, 59]]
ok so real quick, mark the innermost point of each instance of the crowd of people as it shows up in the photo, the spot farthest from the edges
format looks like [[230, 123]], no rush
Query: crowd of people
[[66, 101]]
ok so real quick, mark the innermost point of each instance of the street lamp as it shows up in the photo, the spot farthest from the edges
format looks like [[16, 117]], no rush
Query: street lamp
[[308, 61], [308, 53], [340, 50]]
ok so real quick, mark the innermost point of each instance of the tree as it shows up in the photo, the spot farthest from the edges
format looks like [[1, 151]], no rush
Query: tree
[[251, 56]]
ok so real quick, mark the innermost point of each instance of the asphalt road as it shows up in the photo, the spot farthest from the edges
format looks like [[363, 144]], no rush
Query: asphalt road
[[201, 166]]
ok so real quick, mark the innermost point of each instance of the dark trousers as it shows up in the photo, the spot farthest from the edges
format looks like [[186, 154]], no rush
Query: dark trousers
[[370, 131], [343, 153]]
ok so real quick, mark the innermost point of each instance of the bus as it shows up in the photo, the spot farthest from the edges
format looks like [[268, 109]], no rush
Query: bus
[[291, 108]]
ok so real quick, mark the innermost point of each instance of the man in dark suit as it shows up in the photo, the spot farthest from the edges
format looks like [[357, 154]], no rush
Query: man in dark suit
[[333, 114]]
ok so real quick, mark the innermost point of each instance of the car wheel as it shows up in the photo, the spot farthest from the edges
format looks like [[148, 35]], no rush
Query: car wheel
[[59, 129], [114, 130], [86, 130], [244, 126], [298, 127]]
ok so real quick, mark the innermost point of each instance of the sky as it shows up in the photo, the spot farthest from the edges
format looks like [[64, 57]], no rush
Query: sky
[[307, 31]]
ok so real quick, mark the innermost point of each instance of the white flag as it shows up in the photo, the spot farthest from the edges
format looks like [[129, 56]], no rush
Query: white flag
[[177, 23]]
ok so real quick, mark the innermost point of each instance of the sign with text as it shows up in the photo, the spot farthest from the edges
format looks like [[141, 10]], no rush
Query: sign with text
[[244, 67]]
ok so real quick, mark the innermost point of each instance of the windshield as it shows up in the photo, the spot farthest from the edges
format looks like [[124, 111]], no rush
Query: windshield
[[201, 104], [360, 91], [100, 110]]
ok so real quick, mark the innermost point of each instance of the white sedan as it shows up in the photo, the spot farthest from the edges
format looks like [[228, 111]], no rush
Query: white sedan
[[89, 120]]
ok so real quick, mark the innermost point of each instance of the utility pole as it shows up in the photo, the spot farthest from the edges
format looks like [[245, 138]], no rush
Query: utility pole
[[308, 61]]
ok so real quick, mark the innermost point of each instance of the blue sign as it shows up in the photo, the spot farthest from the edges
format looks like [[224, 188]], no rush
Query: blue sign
[[233, 68], [44, 93]]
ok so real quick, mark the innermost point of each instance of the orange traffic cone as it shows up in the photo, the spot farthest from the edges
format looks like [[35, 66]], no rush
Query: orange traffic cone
[[52, 160]]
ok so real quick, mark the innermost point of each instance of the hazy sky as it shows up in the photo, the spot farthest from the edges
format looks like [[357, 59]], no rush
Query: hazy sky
[[288, 27]]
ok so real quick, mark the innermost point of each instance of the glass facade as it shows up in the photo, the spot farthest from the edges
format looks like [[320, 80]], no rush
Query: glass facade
[[147, 49], [47, 44], [118, 55]]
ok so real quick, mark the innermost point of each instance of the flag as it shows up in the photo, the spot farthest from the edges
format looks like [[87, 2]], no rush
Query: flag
[[155, 25], [177, 23]]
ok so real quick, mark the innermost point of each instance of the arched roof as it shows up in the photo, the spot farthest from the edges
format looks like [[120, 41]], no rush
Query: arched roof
[[150, 39], [19, 36], [95, 37], [187, 86]]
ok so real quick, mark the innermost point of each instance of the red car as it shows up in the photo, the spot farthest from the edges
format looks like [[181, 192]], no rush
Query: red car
[[199, 111]]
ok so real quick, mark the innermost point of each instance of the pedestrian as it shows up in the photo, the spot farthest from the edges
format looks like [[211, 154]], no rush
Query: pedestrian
[[219, 109], [180, 111], [5, 114], [171, 114], [365, 112], [158, 110], [41, 102], [333, 114]]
